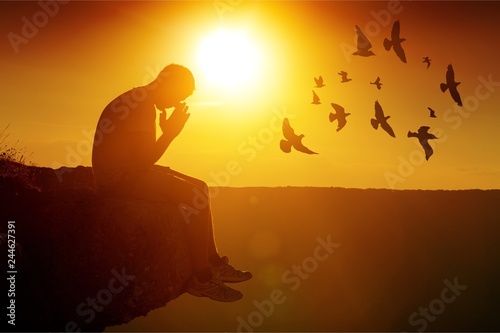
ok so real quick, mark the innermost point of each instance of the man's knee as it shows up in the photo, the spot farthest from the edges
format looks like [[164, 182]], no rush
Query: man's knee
[[200, 184], [197, 197]]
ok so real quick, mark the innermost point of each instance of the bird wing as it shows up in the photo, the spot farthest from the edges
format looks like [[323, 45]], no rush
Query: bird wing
[[423, 130], [456, 95], [339, 110], [300, 147], [332, 116], [427, 148], [400, 52], [319, 81], [288, 131], [395, 31], [315, 97], [387, 44], [450, 75], [386, 127], [412, 134], [342, 122], [285, 146], [377, 81], [433, 113], [362, 43], [379, 113]]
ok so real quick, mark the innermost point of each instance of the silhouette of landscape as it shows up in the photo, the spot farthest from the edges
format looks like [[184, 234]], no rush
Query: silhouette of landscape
[[341, 259], [396, 249]]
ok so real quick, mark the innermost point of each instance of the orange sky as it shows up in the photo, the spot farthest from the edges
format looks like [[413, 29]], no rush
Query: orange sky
[[58, 80]]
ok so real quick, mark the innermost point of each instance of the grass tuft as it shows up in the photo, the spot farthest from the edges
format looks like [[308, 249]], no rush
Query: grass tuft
[[14, 160]]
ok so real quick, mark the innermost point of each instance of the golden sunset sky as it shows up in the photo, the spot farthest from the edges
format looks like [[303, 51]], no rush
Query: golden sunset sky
[[62, 64]]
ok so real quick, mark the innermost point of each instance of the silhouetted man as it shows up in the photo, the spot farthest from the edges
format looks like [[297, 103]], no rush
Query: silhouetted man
[[123, 160]]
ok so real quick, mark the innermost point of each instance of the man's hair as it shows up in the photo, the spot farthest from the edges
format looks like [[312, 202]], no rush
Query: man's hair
[[177, 76]]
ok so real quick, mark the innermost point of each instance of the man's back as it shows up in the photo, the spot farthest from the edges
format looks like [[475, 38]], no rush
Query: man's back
[[128, 117]]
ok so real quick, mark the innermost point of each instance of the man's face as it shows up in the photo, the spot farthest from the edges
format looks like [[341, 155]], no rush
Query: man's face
[[169, 99], [168, 102]]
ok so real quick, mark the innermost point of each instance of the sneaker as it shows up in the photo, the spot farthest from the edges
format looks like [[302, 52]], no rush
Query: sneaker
[[227, 273], [214, 290]]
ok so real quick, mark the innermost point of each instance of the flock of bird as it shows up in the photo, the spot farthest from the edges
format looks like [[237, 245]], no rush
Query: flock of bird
[[291, 139]]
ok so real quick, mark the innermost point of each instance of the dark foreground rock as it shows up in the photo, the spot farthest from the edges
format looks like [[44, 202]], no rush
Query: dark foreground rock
[[86, 261]]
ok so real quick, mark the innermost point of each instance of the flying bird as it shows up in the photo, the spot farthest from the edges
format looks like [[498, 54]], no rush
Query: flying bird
[[292, 140], [377, 83], [432, 113], [319, 82], [451, 85], [315, 98], [427, 61], [339, 115], [423, 137], [381, 119], [344, 76], [363, 44], [395, 42]]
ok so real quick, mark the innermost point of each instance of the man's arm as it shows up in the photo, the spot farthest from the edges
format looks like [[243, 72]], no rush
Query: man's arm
[[149, 154]]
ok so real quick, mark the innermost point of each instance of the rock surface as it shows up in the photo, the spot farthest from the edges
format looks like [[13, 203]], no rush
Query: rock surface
[[86, 261]]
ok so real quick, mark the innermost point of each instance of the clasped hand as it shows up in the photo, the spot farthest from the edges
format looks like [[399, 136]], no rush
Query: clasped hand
[[175, 123]]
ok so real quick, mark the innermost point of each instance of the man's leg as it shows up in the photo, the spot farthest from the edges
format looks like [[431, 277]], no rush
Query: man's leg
[[162, 187], [200, 187], [223, 270]]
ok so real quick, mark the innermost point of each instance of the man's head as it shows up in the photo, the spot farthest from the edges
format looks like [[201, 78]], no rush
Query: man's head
[[173, 85]]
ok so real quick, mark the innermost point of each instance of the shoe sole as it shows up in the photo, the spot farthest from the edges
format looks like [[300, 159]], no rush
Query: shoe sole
[[197, 293], [234, 281]]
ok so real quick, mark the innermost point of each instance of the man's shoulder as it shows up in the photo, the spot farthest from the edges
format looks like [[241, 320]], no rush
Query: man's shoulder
[[134, 100]]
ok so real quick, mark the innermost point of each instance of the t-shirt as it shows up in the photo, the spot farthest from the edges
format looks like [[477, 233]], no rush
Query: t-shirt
[[114, 153]]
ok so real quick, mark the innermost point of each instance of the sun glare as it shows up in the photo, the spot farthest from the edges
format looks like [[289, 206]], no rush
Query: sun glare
[[229, 59]]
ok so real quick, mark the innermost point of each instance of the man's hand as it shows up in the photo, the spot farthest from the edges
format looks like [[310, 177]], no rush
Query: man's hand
[[175, 123]]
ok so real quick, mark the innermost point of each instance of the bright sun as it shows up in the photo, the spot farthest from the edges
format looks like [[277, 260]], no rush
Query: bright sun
[[229, 59]]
